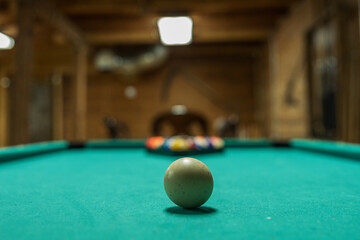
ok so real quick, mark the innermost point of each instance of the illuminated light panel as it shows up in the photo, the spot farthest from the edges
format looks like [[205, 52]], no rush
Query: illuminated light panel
[[175, 30], [6, 42]]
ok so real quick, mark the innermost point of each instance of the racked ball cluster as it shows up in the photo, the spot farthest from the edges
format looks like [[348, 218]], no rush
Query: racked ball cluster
[[188, 182], [185, 144]]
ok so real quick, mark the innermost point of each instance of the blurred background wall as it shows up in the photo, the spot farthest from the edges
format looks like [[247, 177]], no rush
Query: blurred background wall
[[280, 69]]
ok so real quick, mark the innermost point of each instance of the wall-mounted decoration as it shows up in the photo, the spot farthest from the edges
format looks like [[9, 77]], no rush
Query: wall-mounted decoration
[[130, 61]]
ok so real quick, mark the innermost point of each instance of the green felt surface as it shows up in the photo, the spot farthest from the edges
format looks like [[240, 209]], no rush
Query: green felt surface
[[259, 193], [336, 148], [116, 143], [234, 142], [14, 152]]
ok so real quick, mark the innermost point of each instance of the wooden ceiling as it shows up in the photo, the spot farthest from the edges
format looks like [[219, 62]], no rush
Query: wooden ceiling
[[129, 21], [111, 22]]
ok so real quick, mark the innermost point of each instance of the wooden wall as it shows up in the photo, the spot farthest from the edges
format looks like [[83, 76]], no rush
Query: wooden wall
[[290, 66], [349, 104], [230, 71], [227, 69], [237, 75], [288, 79], [4, 99], [5, 84]]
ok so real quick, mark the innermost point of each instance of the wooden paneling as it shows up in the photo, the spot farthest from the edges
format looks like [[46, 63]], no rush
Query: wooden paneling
[[349, 103], [231, 71], [20, 88], [48, 12], [290, 116], [134, 22], [69, 107], [288, 77], [333, 68], [58, 106], [80, 93], [228, 69], [4, 110], [231, 76], [207, 28], [262, 92]]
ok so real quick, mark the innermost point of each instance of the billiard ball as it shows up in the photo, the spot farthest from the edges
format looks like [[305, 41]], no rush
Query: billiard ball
[[155, 142], [201, 143], [177, 143], [217, 142], [190, 143], [188, 182]]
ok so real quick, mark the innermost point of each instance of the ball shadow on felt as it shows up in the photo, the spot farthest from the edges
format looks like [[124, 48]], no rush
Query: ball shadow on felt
[[192, 211]]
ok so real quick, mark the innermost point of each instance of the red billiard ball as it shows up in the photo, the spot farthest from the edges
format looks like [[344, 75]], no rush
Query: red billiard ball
[[155, 142]]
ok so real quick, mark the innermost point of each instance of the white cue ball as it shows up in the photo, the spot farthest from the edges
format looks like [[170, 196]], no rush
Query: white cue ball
[[188, 182]]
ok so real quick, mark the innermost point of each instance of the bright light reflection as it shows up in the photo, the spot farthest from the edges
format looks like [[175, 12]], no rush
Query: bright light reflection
[[175, 30], [186, 161], [6, 42]]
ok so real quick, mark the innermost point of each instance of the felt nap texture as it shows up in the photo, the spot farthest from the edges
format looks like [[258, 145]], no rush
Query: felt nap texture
[[259, 193]]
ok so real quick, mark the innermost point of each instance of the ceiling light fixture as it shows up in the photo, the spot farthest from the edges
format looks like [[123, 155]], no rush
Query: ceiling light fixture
[[175, 30], [6, 42]]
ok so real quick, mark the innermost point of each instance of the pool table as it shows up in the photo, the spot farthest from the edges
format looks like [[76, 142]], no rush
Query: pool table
[[299, 189]]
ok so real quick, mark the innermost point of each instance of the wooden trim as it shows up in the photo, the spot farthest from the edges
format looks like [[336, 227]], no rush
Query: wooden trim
[[4, 123], [47, 11], [309, 85], [20, 88], [58, 107], [80, 94], [96, 7]]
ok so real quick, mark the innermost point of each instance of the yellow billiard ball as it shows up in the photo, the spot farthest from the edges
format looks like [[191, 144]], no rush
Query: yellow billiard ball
[[188, 182]]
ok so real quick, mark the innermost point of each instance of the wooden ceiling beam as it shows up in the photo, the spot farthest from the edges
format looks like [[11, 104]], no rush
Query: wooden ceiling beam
[[19, 117], [8, 10], [6, 19], [201, 21], [137, 30], [108, 7], [111, 22], [213, 6], [151, 37], [242, 35], [216, 50], [121, 37], [47, 11]]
